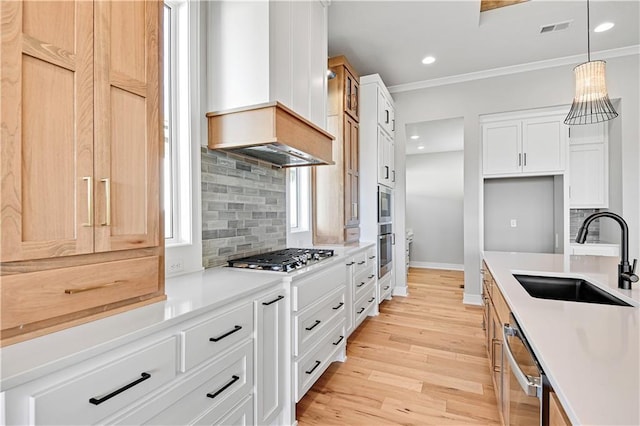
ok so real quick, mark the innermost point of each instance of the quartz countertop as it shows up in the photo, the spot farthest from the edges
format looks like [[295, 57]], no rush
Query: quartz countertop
[[590, 352]]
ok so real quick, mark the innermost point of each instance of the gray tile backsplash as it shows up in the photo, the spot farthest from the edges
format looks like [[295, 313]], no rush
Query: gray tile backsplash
[[243, 207], [576, 217]]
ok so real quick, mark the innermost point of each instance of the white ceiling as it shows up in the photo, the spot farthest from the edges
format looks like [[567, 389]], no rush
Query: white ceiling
[[391, 37], [435, 136]]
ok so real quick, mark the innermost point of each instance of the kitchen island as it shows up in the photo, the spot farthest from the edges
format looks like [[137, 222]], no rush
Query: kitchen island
[[590, 352]]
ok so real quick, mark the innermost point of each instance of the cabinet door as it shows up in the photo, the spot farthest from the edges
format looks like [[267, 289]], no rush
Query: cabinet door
[[588, 171], [47, 129], [383, 169], [391, 155], [502, 148], [351, 172], [271, 339], [127, 124], [385, 113], [351, 95], [543, 145]]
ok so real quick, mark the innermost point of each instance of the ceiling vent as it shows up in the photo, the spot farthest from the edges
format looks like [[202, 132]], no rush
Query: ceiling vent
[[555, 27]]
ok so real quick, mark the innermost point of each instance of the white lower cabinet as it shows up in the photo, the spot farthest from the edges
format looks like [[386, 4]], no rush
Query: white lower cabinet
[[385, 287], [271, 311], [241, 415]]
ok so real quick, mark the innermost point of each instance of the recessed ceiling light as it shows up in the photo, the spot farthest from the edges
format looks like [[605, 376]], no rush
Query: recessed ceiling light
[[605, 26], [428, 60], [414, 137], [421, 147]]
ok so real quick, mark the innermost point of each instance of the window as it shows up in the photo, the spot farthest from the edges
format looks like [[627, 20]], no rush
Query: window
[[299, 199], [176, 162]]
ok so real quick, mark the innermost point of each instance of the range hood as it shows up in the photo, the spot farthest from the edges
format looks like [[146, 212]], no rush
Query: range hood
[[270, 132]]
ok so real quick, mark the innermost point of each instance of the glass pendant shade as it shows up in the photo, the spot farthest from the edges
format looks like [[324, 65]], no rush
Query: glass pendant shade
[[591, 103]]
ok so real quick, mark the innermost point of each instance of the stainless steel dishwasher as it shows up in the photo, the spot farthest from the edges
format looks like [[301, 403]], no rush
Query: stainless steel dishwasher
[[525, 382]]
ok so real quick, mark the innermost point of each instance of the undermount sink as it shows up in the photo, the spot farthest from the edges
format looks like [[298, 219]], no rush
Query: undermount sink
[[567, 289]]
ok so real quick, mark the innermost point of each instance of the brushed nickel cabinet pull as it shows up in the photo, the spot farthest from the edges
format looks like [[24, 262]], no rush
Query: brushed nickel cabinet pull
[[89, 181], [95, 287], [107, 192]]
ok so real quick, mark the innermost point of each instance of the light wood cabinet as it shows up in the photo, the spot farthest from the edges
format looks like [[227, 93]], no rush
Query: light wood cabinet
[[557, 415], [336, 188], [81, 157], [524, 146]]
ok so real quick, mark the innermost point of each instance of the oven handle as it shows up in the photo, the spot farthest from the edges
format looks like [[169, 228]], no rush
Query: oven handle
[[530, 385]]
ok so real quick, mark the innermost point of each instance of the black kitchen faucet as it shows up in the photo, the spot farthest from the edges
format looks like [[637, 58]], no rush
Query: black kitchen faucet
[[626, 271]]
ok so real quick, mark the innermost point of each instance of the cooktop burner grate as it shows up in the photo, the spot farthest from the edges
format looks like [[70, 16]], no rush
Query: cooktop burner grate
[[285, 260]]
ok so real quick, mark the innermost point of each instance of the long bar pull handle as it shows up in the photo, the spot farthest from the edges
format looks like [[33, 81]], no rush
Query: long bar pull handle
[[273, 301], [525, 159], [519, 160], [94, 287], [340, 305], [224, 388], [98, 401], [362, 262], [338, 342], [107, 192], [314, 367], [228, 333], [354, 209], [350, 263], [496, 342], [386, 120], [315, 324], [89, 181], [386, 172], [371, 300], [361, 284], [361, 310], [529, 384]]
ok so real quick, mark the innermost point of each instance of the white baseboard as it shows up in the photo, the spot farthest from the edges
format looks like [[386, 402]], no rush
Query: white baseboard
[[435, 265], [472, 299], [401, 291]]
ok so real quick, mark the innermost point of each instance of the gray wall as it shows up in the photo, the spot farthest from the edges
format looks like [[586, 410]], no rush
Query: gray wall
[[243, 207], [526, 90], [435, 185], [527, 200]]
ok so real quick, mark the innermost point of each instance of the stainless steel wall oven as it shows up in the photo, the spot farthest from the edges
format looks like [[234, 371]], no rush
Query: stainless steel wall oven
[[384, 204], [385, 248]]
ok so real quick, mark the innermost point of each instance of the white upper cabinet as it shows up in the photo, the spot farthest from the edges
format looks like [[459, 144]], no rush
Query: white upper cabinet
[[263, 51], [531, 146], [589, 166], [386, 114]]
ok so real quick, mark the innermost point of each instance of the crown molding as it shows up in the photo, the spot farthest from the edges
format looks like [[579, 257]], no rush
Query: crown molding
[[514, 69]]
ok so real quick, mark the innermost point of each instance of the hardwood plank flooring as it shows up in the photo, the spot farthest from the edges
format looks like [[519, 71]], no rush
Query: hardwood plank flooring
[[422, 361]]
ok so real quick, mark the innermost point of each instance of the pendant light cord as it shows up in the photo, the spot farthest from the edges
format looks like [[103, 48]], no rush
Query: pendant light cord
[[588, 36]]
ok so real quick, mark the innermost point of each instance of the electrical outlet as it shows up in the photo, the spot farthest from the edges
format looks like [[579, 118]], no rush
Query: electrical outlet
[[514, 223], [175, 266]]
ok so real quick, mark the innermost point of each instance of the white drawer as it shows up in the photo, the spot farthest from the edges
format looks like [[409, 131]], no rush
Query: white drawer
[[210, 338], [308, 290], [384, 288], [311, 324], [213, 391], [360, 260], [362, 282], [241, 415], [309, 368], [364, 305], [88, 398]]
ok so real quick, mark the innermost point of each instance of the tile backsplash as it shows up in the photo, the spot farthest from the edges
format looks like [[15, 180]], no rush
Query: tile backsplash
[[243, 207], [576, 217]]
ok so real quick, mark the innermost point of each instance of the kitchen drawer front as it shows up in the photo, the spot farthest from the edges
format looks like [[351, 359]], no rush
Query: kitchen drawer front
[[502, 309], [361, 263], [241, 415], [225, 329], [351, 235], [308, 290], [362, 283], [309, 367], [315, 321], [364, 305], [36, 296], [216, 389], [90, 397], [385, 291]]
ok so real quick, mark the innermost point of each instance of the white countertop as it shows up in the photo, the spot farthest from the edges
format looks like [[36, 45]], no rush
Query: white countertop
[[590, 352], [188, 295]]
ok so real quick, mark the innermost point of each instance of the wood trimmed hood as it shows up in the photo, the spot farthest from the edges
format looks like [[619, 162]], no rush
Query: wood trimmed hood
[[270, 132]]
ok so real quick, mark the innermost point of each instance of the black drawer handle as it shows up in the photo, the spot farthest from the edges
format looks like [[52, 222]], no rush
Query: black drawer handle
[[338, 307], [314, 367], [338, 342], [361, 284], [361, 310], [315, 324], [98, 401], [372, 257], [371, 300], [361, 263], [228, 333], [370, 276], [224, 388], [350, 263], [386, 287], [273, 301]]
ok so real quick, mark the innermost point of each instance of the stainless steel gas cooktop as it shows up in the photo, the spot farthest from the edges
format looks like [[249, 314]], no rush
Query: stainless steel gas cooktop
[[285, 260]]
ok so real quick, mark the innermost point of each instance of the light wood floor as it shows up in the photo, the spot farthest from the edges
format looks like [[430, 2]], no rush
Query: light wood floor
[[421, 361]]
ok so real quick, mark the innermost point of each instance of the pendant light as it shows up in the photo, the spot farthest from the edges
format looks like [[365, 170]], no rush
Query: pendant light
[[591, 103]]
